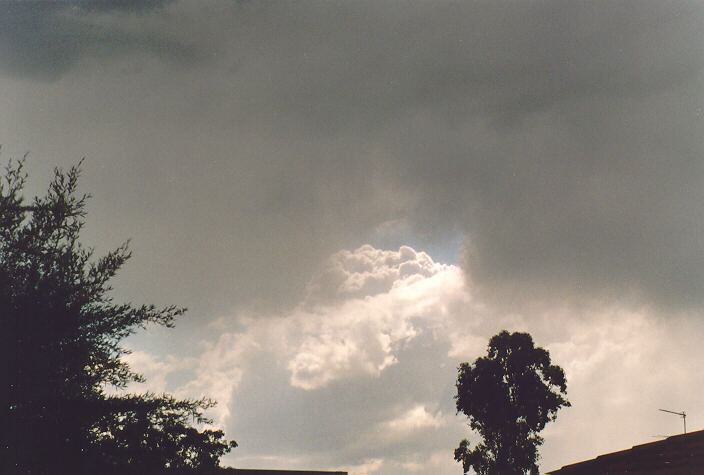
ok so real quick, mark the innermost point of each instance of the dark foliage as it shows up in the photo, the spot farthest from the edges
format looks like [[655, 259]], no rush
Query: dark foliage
[[60, 342], [509, 396]]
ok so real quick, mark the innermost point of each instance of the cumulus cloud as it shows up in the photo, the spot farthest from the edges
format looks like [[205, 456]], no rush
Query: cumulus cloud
[[154, 369], [363, 379], [219, 372], [304, 372], [415, 418], [358, 314], [214, 373], [371, 299], [366, 468]]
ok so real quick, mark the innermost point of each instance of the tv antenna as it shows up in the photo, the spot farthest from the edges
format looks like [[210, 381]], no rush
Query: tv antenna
[[681, 414]]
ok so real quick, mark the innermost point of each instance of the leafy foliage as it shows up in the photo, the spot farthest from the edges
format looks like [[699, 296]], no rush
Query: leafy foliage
[[509, 397], [61, 344]]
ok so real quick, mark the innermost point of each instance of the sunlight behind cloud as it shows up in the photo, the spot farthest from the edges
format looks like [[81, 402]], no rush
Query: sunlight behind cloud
[[377, 296], [375, 324]]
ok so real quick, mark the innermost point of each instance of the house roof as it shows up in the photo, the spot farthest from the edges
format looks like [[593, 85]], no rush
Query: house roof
[[678, 454], [246, 471]]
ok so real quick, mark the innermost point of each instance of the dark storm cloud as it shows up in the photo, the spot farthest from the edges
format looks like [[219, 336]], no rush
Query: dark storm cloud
[[562, 138], [45, 38], [374, 62]]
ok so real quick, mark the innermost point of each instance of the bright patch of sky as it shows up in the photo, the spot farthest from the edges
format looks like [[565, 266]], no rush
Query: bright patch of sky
[[365, 365]]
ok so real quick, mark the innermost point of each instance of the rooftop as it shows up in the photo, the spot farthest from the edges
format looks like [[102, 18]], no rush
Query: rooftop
[[678, 454]]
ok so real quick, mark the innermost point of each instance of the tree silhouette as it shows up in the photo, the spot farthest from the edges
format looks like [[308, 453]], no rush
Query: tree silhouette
[[60, 342], [509, 396]]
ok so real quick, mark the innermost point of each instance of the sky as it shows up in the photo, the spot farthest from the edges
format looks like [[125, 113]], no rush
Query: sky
[[351, 198]]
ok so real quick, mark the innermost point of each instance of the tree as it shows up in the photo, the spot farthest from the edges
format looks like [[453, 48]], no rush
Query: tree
[[60, 341], [509, 396]]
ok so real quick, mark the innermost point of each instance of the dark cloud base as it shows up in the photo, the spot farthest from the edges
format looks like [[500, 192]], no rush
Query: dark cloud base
[[561, 138]]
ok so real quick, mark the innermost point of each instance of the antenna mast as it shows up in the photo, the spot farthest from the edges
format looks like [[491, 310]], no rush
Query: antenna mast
[[681, 414]]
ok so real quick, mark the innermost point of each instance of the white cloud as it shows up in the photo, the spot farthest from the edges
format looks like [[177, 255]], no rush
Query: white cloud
[[155, 369], [358, 314], [441, 461], [367, 272], [366, 468], [621, 366], [360, 310], [219, 372], [354, 331], [364, 369], [214, 374], [414, 418]]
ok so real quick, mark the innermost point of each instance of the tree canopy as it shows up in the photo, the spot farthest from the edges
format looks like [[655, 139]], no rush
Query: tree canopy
[[61, 334], [509, 396]]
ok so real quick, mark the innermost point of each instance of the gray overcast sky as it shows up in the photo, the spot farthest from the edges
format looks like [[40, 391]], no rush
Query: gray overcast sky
[[543, 160]]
